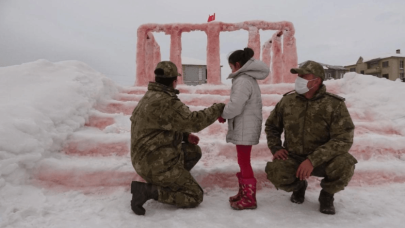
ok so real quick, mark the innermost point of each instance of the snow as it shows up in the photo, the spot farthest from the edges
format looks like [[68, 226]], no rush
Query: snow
[[64, 155]]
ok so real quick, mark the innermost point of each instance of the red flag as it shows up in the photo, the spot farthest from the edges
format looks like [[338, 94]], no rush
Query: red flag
[[211, 18]]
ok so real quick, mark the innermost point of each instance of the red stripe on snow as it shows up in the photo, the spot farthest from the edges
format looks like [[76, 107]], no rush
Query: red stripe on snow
[[96, 149], [99, 122]]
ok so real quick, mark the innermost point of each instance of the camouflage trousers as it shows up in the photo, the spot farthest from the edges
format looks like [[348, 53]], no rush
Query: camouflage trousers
[[184, 191], [337, 172]]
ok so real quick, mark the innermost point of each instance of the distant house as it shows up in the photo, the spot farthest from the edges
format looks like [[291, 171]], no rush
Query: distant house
[[331, 71], [194, 71], [389, 66]]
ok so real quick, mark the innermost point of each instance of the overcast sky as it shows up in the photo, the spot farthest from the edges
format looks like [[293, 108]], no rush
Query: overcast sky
[[102, 33]]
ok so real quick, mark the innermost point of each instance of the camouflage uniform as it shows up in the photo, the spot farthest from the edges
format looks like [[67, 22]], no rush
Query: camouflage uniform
[[319, 129], [160, 122]]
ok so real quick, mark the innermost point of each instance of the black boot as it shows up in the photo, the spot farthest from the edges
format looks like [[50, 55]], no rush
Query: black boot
[[298, 196], [142, 192], [326, 201]]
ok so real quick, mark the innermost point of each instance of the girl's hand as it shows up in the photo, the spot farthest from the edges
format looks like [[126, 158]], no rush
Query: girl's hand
[[221, 120], [193, 139]]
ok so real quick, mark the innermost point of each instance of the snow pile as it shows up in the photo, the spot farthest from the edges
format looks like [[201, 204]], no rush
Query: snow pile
[[41, 103], [66, 125], [383, 97]]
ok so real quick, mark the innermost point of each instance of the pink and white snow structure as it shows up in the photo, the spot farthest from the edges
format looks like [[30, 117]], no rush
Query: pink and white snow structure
[[65, 162], [284, 51]]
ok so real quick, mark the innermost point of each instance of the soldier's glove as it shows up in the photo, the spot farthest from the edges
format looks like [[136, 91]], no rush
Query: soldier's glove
[[221, 120]]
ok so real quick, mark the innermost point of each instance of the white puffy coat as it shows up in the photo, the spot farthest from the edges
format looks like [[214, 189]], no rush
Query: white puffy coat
[[244, 109]]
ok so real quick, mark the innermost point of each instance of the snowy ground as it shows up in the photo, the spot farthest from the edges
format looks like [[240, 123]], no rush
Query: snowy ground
[[64, 156]]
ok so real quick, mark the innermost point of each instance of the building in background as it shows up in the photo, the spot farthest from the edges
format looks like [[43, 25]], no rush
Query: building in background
[[194, 71], [389, 66], [331, 71]]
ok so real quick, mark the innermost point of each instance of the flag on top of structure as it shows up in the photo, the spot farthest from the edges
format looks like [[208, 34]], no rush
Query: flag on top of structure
[[211, 17]]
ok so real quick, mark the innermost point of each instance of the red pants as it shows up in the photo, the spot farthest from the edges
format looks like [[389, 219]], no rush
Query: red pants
[[244, 161]]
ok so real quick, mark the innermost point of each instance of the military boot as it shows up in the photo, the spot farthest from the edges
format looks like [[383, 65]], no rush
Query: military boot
[[298, 195], [238, 196], [326, 201], [142, 192]]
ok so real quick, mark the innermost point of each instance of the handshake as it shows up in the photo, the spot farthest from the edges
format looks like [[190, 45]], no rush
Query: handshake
[[193, 139], [221, 120]]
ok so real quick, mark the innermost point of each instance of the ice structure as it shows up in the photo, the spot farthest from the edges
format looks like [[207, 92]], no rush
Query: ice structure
[[280, 54]]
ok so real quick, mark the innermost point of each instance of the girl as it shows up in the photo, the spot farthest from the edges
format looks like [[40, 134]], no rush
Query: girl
[[244, 115]]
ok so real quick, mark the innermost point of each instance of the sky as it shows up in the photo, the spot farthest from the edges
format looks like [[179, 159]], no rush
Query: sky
[[103, 33]]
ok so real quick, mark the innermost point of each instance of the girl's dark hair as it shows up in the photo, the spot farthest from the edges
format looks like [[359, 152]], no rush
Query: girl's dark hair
[[241, 56]]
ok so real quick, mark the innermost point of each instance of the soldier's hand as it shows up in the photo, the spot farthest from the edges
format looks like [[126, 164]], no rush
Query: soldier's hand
[[304, 170], [193, 139], [281, 154], [221, 120]]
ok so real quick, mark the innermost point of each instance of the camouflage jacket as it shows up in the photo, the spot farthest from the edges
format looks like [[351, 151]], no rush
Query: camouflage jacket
[[159, 122], [319, 128]]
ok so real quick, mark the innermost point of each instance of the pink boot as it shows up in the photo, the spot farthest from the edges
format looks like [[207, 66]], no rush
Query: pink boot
[[239, 195], [248, 199]]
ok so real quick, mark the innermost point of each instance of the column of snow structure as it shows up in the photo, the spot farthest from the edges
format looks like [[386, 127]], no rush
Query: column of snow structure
[[175, 51], [254, 41], [290, 58], [157, 57], [141, 78], [213, 59], [266, 58], [149, 60], [277, 60]]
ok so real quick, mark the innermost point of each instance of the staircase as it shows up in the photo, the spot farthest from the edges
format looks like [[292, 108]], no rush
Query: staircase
[[96, 158]]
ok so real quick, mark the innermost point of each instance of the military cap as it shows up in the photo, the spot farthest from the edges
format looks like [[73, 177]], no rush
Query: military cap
[[310, 67], [166, 69]]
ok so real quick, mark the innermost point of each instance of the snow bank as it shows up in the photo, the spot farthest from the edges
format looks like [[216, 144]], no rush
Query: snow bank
[[45, 105], [380, 98], [41, 103]]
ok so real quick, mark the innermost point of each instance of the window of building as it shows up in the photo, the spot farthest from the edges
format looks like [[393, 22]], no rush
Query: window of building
[[401, 76], [352, 69], [385, 64], [362, 72], [385, 76], [401, 64]]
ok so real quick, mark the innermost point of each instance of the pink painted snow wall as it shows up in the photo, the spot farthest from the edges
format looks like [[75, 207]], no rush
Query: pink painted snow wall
[[284, 51], [290, 58], [254, 41], [175, 51], [213, 55], [277, 64], [266, 58]]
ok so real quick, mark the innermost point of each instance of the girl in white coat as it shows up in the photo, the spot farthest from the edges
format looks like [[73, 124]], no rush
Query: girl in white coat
[[244, 115]]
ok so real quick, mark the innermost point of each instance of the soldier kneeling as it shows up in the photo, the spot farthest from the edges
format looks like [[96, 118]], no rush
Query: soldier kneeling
[[318, 133], [162, 149]]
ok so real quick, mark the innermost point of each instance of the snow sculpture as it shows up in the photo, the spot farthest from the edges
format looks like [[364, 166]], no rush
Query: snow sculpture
[[254, 41], [266, 58], [284, 51], [277, 68]]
